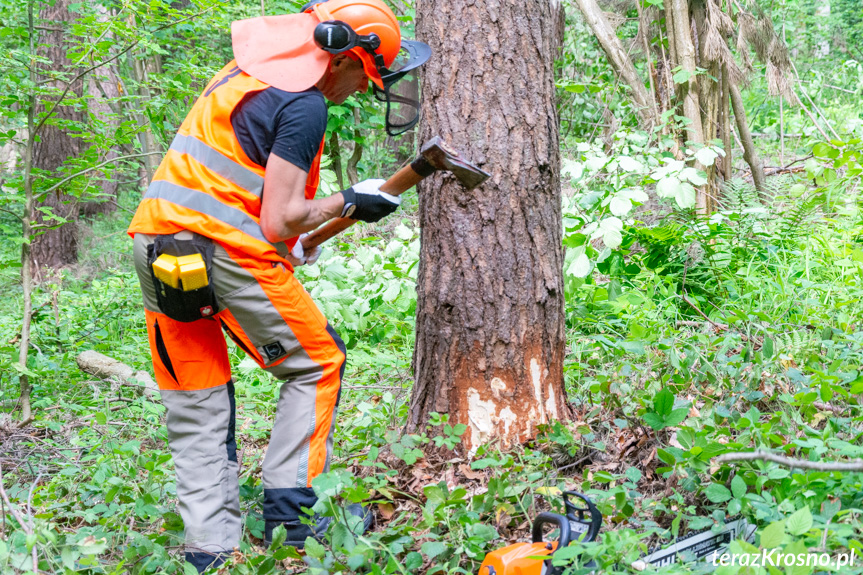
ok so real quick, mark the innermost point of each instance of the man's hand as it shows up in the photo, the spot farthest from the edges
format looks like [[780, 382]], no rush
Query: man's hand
[[301, 257], [365, 201]]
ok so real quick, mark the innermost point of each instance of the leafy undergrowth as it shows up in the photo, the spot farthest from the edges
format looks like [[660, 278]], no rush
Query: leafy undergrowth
[[688, 339]]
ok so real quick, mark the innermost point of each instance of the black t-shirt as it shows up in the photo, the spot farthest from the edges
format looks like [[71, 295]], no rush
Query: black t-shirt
[[288, 124]]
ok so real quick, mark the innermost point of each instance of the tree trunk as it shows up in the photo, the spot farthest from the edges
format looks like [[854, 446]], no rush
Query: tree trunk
[[335, 153], [685, 51], [490, 312], [102, 88], [58, 247], [145, 136], [357, 155], [620, 60], [749, 152]]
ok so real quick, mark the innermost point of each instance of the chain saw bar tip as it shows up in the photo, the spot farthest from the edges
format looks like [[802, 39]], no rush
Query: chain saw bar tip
[[436, 156]]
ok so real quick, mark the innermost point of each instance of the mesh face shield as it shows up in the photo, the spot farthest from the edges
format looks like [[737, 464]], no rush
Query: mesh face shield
[[401, 87]]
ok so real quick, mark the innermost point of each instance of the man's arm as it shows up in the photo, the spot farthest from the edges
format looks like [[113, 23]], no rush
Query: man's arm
[[285, 211]]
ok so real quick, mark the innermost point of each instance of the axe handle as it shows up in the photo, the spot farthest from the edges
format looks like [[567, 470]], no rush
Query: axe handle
[[399, 183]]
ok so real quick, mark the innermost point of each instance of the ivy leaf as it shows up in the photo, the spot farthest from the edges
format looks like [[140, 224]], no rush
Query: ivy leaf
[[706, 156], [580, 266], [620, 206], [667, 187], [773, 534], [800, 522], [628, 164], [279, 536], [685, 196], [610, 230], [738, 487], [682, 77], [663, 402], [656, 422], [717, 493], [694, 176], [433, 548], [634, 194], [676, 416], [314, 549]]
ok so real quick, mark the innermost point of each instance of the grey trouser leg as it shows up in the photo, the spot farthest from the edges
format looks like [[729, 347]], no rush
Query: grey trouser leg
[[270, 315], [200, 422]]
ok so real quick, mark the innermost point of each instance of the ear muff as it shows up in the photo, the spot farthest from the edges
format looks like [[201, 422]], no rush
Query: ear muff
[[336, 37]]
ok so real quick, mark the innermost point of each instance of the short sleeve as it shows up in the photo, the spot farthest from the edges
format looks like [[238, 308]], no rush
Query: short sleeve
[[300, 127]]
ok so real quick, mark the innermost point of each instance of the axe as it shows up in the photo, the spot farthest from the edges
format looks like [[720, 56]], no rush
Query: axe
[[433, 157]]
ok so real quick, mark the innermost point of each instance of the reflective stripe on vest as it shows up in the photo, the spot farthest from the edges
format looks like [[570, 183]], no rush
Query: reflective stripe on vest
[[207, 183], [206, 204], [219, 163]]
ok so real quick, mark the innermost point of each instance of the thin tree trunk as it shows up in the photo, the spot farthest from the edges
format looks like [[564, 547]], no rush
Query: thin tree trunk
[[725, 127], [336, 155], [26, 233], [57, 247], [688, 90], [644, 29], [619, 60], [146, 138], [490, 312], [749, 152], [357, 155], [781, 130]]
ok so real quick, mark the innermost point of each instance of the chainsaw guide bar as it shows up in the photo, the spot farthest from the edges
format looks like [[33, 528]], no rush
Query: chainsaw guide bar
[[701, 544]]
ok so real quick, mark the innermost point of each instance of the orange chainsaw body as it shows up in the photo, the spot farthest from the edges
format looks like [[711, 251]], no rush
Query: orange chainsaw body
[[518, 559]]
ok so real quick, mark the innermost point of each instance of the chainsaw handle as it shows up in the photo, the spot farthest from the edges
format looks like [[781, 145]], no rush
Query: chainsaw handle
[[595, 521], [399, 183], [546, 518]]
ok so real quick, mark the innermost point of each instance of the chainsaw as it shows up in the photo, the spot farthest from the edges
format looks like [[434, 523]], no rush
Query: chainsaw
[[527, 558], [534, 558]]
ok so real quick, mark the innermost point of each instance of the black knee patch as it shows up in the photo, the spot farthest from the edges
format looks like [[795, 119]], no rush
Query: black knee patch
[[273, 351]]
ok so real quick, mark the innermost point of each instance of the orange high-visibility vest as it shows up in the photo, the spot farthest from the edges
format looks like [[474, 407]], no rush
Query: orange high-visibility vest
[[207, 184]]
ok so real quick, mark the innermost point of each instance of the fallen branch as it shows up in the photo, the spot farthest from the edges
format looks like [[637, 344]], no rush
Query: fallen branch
[[104, 367], [761, 455], [12, 508]]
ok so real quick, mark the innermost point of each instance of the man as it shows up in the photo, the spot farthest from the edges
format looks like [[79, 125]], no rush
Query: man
[[233, 193]]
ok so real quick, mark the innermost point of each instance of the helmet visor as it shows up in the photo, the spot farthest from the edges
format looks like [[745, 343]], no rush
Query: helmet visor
[[402, 103], [400, 90]]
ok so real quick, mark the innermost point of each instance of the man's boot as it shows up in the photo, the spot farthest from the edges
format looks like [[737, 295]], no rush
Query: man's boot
[[297, 532]]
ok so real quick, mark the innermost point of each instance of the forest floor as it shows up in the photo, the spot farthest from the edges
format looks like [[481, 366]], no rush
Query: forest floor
[[668, 366]]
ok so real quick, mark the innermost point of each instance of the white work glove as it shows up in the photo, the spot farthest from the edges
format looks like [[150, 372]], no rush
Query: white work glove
[[301, 257], [366, 202]]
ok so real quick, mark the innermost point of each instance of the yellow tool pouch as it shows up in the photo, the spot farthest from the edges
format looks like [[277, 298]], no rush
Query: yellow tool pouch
[[181, 271]]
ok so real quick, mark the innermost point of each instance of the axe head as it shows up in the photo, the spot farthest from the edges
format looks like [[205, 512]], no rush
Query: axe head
[[440, 157]]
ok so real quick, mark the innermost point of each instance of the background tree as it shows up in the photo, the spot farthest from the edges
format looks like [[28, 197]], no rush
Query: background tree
[[692, 71], [58, 245], [490, 324]]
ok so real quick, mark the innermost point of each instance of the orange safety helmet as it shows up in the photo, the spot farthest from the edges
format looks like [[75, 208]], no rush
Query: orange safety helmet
[[365, 17]]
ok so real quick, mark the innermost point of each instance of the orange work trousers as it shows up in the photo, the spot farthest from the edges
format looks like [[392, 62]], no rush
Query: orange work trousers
[[268, 313]]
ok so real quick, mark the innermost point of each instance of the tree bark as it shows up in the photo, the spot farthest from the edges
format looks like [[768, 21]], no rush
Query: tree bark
[[357, 154], [685, 51], [619, 60], [336, 154], [58, 247], [490, 310], [749, 152], [145, 137]]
